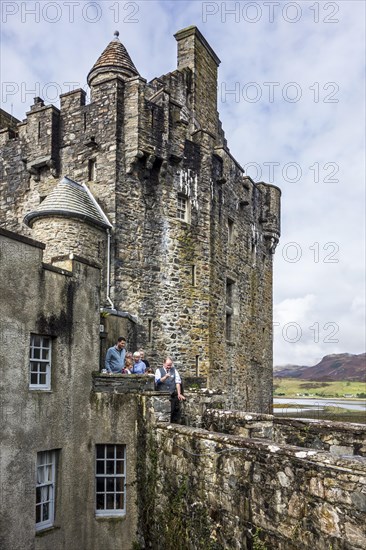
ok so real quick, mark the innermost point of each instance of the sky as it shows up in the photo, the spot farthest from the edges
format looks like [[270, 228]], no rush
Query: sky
[[291, 97]]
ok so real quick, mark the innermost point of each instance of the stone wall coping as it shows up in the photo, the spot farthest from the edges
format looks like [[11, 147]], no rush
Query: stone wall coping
[[308, 424], [76, 92], [219, 148], [258, 183], [119, 313], [21, 238], [75, 258], [243, 415], [118, 376], [122, 383], [141, 383], [55, 269], [317, 425], [43, 108], [354, 465]]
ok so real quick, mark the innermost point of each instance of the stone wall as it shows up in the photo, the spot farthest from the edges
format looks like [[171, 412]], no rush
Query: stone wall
[[8, 122], [341, 439], [70, 418], [223, 491], [336, 437], [63, 235]]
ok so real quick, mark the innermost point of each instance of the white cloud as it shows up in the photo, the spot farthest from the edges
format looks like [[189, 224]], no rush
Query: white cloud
[[325, 139]]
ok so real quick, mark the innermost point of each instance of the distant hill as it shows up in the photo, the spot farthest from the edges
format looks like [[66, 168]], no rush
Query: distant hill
[[339, 366]]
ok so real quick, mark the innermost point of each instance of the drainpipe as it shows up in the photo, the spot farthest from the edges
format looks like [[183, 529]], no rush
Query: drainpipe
[[109, 268]]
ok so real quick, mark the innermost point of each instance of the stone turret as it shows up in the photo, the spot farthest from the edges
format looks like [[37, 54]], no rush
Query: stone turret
[[114, 60], [70, 221]]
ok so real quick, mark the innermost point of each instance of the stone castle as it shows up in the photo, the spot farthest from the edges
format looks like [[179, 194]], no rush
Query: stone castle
[[141, 182], [129, 216]]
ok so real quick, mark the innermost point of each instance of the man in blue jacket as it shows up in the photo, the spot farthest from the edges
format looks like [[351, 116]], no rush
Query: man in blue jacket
[[115, 358]]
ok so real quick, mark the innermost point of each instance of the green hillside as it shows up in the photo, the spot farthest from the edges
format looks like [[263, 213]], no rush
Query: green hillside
[[292, 387]]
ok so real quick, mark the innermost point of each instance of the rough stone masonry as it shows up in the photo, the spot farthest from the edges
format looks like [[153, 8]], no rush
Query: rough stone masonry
[[185, 240]]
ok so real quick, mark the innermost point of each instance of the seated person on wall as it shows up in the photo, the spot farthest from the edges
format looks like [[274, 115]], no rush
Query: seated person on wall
[[139, 366], [115, 358], [167, 379]]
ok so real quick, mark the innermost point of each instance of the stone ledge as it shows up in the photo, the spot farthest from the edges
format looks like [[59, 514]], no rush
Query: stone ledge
[[21, 238], [122, 383], [349, 465]]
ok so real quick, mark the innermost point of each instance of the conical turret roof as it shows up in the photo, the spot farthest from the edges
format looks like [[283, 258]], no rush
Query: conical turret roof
[[72, 200], [114, 59]]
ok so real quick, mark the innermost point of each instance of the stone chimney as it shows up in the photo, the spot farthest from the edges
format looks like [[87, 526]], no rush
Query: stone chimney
[[195, 53]]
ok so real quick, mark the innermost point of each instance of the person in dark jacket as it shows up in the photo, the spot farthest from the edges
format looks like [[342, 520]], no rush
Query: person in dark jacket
[[167, 378]]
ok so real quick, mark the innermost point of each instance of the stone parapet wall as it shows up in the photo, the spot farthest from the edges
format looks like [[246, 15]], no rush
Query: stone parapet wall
[[122, 383], [339, 438], [223, 491], [199, 402], [239, 423]]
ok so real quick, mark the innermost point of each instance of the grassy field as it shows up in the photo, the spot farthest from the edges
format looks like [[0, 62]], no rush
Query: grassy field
[[291, 387]]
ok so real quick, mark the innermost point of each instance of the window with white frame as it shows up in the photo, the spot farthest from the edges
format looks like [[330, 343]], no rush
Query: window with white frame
[[183, 208], [110, 480], [40, 362], [45, 489]]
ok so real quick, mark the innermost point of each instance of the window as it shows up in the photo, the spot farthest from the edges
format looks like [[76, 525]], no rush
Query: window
[[45, 489], [183, 208], [228, 327], [40, 362], [110, 480], [92, 169], [229, 308], [230, 230], [150, 330], [193, 273]]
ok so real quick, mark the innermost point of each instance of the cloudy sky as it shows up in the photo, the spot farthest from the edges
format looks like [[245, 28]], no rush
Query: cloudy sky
[[292, 103]]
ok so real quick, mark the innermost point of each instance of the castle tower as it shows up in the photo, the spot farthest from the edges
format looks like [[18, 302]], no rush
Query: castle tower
[[191, 252], [70, 221]]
